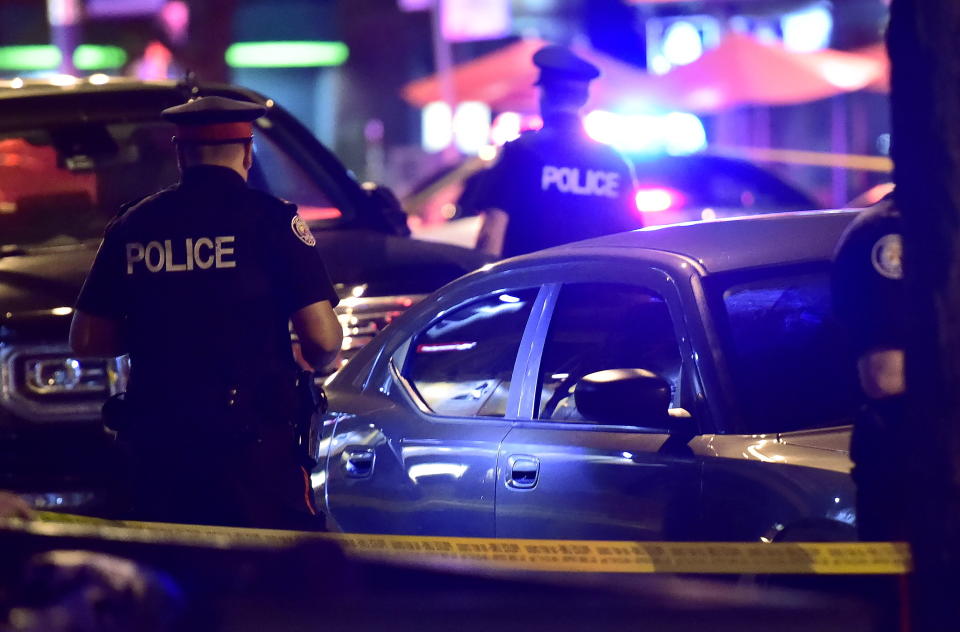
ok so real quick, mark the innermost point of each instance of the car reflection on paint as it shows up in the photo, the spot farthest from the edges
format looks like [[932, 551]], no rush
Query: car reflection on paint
[[676, 383]]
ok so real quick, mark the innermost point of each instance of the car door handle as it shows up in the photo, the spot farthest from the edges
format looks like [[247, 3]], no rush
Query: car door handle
[[359, 462], [524, 471]]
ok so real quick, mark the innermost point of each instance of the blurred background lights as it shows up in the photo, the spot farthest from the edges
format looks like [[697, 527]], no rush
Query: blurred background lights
[[436, 126], [676, 133], [808, 30], [659, 65], [471, 126], [682, 43], [683, 133], [506, 127], [602, 126], [639, 133]]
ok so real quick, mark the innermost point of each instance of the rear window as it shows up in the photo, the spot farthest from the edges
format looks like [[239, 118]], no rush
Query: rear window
[[791, 365]]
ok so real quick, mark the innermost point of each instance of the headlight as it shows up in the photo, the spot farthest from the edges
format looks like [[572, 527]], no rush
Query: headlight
[[49, 383], [52, 376]]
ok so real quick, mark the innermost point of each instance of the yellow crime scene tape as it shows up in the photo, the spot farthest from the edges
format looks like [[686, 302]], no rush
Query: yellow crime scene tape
[[878, 164], [584, 556]]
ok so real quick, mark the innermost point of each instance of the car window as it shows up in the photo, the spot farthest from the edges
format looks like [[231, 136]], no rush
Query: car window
[[598, 326], [462, 364], [276, 172], [62, 185], [791, 365]]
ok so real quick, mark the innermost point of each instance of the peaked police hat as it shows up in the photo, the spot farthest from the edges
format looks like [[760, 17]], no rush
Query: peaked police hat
[[558, 64], [214, 120]]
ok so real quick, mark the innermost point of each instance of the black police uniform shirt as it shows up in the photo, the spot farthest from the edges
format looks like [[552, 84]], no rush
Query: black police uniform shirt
[[557, 186], [867, 280], [204, 277]]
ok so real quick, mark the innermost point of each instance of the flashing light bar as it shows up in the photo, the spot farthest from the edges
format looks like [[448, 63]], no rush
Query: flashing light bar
[[47, 57], [676, 133], [286, 54], [657, 199]]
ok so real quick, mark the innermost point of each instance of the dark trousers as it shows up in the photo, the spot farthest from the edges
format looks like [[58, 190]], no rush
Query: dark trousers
[[249, 478]]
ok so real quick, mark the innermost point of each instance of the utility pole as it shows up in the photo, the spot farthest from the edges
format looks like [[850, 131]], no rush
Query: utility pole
[[443, 60], [925, 100], [210, 34], [65, 18]]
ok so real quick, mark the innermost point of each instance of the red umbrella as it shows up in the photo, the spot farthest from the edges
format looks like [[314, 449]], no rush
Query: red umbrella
[[504, 79], [744, 71], [878, 53]]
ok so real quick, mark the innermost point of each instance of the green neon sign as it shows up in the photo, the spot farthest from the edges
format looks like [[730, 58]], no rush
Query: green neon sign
[[47, 57], [286, 54], [39, 57], [92, 57]]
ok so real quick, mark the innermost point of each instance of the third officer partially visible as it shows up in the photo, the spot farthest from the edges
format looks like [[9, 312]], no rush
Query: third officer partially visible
[[554, 185], [198, 283], [869, 299]]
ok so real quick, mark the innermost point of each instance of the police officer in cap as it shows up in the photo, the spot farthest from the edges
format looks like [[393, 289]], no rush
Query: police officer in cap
[[554, 185], [869, 299], [198, 283]]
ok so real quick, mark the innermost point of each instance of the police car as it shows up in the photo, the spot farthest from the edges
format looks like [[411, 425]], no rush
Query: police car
[[71, 152], [685, 382]]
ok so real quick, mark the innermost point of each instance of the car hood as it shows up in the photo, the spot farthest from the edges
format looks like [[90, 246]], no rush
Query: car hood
[[37, 283]]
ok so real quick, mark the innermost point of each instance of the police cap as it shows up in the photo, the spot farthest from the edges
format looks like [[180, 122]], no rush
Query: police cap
[[214, 120], [558, 64]]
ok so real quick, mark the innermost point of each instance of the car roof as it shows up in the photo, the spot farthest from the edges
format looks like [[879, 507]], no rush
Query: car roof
[[726, 244], [66, 99]]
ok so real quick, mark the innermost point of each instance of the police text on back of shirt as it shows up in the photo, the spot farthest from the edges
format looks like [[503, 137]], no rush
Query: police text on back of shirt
[[202, 253]]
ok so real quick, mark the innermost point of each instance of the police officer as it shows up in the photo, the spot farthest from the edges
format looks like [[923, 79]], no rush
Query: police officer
[[554, 185], [868, 297], [198, 283]]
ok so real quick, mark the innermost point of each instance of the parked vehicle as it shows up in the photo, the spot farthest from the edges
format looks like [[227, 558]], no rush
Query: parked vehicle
[[670, 189], [684, 382], [70, 153]]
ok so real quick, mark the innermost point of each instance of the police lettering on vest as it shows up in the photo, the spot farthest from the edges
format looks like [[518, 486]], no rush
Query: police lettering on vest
[[190, 254], [568, 180]]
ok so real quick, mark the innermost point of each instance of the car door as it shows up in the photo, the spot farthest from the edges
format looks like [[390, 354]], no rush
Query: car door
[[422, 456], [563, 476]]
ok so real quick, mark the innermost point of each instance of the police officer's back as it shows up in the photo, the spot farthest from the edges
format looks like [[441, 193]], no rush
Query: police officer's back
[[198, 283], [555, 185]]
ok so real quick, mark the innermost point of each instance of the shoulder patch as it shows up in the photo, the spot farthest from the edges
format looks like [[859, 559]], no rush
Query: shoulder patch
[[302, 231], [887, 256]]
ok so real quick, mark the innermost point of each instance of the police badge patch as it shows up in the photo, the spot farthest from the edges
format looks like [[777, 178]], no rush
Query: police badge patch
[[302, 231], [887, 256]]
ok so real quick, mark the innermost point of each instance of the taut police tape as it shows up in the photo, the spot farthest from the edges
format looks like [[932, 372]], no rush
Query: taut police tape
[[588, 556]]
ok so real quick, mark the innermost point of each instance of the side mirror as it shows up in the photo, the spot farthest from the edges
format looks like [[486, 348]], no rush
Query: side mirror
[[388, 210], [625, 397]]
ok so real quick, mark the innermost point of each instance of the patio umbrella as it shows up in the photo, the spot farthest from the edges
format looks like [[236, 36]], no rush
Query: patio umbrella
[[878, 53], [744, 71]]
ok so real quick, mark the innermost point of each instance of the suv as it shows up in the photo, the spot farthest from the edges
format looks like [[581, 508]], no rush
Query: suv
[[71, 152]]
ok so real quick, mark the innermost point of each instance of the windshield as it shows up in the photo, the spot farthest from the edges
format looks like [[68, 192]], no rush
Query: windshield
[[61, 186], [791, 365]]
